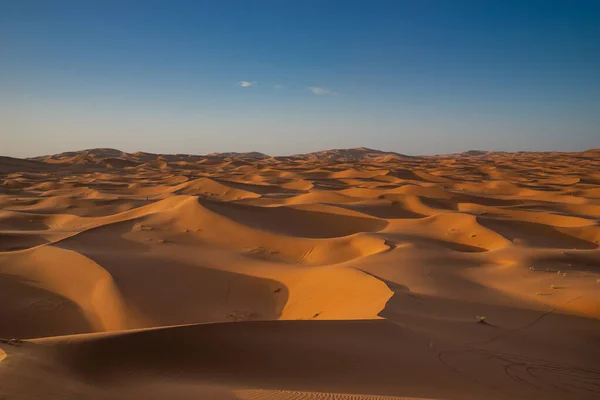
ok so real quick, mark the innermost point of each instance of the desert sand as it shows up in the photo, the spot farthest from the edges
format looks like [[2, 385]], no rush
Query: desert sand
[[341, 274]]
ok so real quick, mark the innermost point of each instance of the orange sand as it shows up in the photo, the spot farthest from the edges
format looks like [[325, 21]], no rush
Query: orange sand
[[342, 274]]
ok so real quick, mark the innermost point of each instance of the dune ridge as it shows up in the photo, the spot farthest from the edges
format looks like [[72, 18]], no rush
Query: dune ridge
[[348, 273]]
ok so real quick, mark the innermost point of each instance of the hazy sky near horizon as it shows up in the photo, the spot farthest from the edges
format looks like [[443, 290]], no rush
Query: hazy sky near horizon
[[282, 77]]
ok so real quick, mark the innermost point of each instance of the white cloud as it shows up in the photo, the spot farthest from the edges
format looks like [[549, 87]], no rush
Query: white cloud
[[245, 83], [277, 86], [321, 91]]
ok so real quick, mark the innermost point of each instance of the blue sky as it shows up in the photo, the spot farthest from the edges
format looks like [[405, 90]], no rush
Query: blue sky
[[283, 77]]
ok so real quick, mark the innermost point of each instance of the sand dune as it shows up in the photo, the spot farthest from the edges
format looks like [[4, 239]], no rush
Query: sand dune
[[341, 274]]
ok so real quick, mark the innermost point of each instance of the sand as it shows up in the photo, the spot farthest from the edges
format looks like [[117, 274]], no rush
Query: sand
[[342, 274]]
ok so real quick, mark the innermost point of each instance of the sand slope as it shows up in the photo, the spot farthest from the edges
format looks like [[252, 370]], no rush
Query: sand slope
[[337, 274]]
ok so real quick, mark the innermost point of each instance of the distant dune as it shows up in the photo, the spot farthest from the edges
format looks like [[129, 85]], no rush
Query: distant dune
[[338, 274], [251, 154], [349, 154], [339, 154]]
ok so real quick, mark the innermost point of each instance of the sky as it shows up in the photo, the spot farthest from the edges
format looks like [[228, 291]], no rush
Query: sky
[[285, 77]]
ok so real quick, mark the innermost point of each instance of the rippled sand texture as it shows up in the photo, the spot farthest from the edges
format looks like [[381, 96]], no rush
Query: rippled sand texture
[[346, 274]]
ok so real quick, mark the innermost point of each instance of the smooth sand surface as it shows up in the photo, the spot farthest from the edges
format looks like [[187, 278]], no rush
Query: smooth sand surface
[[344, 274]]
